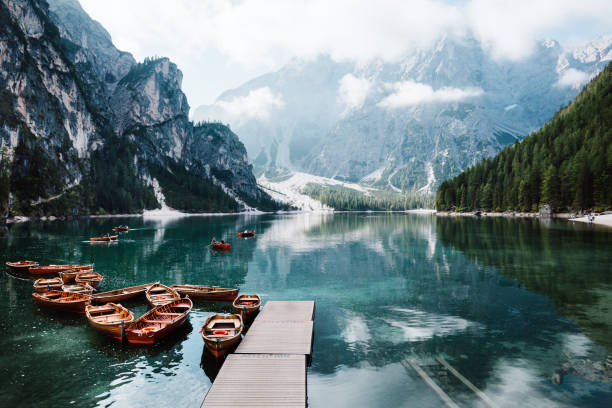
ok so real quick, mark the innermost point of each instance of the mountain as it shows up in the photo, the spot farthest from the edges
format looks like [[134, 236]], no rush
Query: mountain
[[404, 125], [567, 164], [84, 128]]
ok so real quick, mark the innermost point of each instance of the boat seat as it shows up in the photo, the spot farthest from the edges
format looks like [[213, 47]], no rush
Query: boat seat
[[159, 321], [169, 314], [106, 315], [222, 324]]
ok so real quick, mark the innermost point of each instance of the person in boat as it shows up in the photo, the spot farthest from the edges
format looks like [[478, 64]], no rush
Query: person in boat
[[214, 241], [222, 241]]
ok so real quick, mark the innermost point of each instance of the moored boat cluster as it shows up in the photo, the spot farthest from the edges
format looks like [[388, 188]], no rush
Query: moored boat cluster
[[72, 290]]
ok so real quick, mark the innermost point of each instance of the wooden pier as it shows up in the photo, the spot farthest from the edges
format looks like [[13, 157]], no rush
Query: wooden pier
[[268, 369]]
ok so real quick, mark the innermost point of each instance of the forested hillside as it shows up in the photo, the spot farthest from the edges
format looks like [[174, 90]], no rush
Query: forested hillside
[[566, 164], [346, 199]]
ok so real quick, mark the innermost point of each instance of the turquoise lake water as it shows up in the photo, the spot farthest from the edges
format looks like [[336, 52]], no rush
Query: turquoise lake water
[[520, 308]]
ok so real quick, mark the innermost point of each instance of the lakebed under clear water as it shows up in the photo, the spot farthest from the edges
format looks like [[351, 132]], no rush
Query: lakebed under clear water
[[519, 307]]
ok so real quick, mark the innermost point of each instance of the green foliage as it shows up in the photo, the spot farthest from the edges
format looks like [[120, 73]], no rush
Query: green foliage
[[186, 191], [113, 183], [5, 182], [34, 171], [266, 203], [346, 199], [566, 164]]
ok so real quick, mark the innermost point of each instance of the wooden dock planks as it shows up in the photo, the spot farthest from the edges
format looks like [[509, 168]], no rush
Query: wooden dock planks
[[283, 327], [278, 337], [268, 369], [297, 310], [259, 380]]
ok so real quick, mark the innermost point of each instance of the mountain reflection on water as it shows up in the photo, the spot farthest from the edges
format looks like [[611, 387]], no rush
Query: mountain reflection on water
[[518, 307]]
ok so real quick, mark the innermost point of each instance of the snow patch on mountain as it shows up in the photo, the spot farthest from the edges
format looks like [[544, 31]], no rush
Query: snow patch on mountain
[[374, 176], [431, 179], [291, 190]]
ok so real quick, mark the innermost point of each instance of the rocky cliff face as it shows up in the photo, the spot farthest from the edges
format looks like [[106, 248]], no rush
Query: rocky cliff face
[[409, 124], [85, 128]]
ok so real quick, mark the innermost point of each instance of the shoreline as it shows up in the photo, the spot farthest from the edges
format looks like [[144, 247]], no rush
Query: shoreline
[[502, 214], [603, 219], [19, 219], [177, 214]]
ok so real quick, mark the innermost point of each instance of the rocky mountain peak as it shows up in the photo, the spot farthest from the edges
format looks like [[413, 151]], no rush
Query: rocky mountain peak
[[84, 128], [150, 94]]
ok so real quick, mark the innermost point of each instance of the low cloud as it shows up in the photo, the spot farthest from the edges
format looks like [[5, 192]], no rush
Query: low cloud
[[353, 91], [257, 104], [408, 93], [228, 42], [572, 78]]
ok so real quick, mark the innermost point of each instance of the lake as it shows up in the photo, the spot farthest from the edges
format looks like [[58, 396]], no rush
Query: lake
[[520, 308]]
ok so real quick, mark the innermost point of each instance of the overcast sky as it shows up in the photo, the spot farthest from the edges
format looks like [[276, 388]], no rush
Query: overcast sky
[[221, 44]]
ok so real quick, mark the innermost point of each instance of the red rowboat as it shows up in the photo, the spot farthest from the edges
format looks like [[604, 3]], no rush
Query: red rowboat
[[157, 323]]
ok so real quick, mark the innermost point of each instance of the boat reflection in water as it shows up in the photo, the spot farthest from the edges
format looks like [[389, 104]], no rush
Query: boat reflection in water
[[211, 364]]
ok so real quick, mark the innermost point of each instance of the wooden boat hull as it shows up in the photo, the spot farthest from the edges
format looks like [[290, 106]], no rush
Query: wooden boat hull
[[82, 288], [247, 311], [158, 323], [45, 285], [104, 239], [120, 294], [152, 337], [92, 279], [55, 269], [121, 229], [207, 292], [114, 329], [159, 295], [21, 265], [246, 234], [69, 275], [221, 346], [76, 304], [221, 247]]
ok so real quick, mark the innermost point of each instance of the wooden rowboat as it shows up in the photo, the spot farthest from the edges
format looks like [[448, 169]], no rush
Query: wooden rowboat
[[221, 333], [92, 278], [106, 238], [69, 275], [247, 306], [111, 319], [45, 285], [158, 322], [21, 265], [158, 294], [246, 234], [121, 228], [207, 292], [55, 269], [82, 288], [218, 246], [120, 294], [64, 301]]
